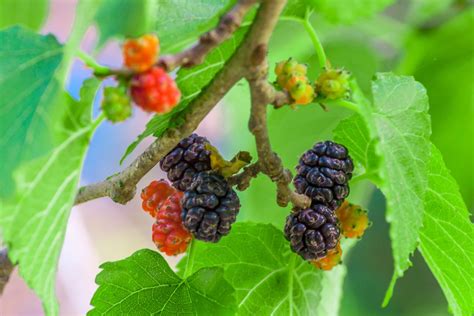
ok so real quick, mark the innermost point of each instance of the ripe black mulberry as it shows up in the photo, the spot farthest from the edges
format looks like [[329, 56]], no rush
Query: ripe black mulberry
[[312, 232], [323, 174], [210, 207], [188, 158]]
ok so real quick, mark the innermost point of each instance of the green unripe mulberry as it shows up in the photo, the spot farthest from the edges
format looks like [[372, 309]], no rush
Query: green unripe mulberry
[[333, 84], [116, 104]]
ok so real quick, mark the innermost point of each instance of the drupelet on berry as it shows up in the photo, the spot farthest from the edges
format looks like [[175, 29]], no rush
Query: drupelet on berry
[[312, 232], [210, 206], [323, 174], [116, 104], [353, 220], [155, 91], [333, 84], [141, 53], [189, 157], [169, 234], [154, 195], [331, 260], [291, 76]]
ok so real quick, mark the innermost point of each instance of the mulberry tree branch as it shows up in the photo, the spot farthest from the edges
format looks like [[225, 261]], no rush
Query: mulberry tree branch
[[262, 94], [121, 187], [6, 268]]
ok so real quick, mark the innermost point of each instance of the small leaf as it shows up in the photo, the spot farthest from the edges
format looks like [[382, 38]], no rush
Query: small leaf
[[31, 14], [446, 239], [191, 82], [268, 277], [225, 167], [34, 221], [144, 284]]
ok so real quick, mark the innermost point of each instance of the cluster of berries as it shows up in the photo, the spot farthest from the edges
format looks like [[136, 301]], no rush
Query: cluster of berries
[[150, 87], [292, 77], [202, 203], [314, 233]]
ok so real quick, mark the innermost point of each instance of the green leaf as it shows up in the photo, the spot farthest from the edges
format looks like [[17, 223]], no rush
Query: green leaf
[[133, 19], [176, 22], [34, 221], [297, 8], [28, 91], [191, 82], [31, 14], [446, 239], [267, 276], [403, 127], [348, 11], [144, 284], [399, 148]]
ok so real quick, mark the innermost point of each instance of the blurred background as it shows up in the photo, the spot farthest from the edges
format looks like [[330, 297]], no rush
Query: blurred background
[[429, 39]]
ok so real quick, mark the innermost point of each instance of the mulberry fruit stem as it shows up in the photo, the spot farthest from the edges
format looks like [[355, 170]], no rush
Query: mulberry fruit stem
[[345, 104], [90, 62], [323, 63]]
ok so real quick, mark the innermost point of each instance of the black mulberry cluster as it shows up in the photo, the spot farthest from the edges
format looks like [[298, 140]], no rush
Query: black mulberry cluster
[[210, 207], [188, 158], [322, 174]]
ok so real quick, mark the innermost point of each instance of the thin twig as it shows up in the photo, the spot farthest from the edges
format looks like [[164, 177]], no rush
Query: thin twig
[[242, 180], [262, 94]]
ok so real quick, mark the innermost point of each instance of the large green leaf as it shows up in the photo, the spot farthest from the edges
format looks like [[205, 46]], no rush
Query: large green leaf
[[34, 221], [267, 276], [395, 142], [143, 284], [402, 124], [29, 13], [447, 237], [28, 90], [176, 22], [191, 81]]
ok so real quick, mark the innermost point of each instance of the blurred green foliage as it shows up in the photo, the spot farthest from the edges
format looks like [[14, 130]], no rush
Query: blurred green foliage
[[29, 13]]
